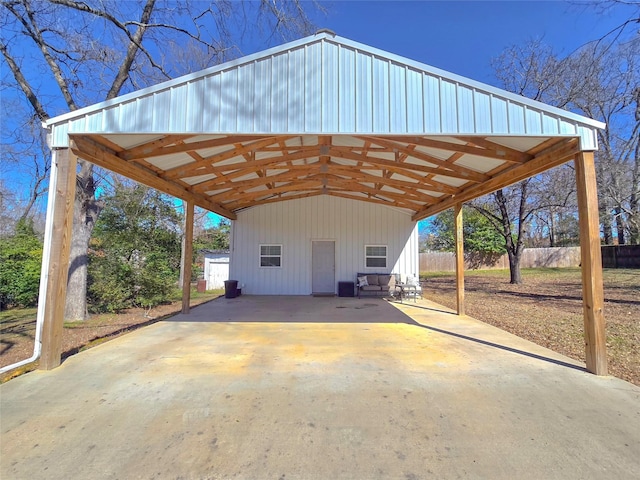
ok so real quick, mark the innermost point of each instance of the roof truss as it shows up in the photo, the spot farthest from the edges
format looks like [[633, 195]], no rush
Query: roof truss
[[421, 175]]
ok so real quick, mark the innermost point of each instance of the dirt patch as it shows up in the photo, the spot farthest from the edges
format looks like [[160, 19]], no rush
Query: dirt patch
[[18, 330], [547, 309]]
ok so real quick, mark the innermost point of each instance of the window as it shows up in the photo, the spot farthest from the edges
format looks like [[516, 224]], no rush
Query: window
[[271, 256], [375, 256]]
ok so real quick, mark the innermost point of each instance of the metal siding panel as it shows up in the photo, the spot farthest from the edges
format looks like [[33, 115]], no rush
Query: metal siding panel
[[516, 119], [111, 119], [178, 112], [534, 122], [567, 128], [465, 110], [381, 95], [431, 89], [313, 88], [195, 94], [415, 114], [279, 75], [330, 88], [499, 116], [128, 117], [398, 98], [364, 93], [246, 101], [482, 110], [346, 92], [161, 103], [211, 104], [550, 125], [295, 92], [144, 116], [448, 111], [228, 100], [588, 138], [262, 95], [94, 121], [60, 135], [77, 125]]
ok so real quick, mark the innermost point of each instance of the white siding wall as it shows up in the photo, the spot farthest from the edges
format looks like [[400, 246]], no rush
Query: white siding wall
[[294, 224]]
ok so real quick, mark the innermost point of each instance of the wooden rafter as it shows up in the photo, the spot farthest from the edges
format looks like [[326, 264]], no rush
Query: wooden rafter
[[347, 153], [89, 150], [502, 154], [552, 157], [410, 151], [199, 167]]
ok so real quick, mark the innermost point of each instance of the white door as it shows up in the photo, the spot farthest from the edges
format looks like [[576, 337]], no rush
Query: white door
[[218, 273], [323, 267]]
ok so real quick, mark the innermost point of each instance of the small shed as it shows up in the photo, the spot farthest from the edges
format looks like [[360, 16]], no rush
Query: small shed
[[322, 149], [216, 268]]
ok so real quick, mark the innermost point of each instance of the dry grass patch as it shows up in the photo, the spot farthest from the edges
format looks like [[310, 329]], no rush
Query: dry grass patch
[[18, 330], [547, 309]]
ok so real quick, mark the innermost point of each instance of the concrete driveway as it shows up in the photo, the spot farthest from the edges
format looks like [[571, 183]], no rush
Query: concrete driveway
[[319, 388]]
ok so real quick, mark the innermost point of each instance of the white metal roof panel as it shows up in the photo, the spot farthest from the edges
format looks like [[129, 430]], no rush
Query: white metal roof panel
[[323, 84]]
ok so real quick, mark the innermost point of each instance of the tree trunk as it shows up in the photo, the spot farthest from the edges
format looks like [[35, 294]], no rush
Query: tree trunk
[[514, 268], [620, 227], [607, 230], [85, 214]]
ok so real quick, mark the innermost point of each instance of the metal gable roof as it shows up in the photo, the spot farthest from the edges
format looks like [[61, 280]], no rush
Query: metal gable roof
[[324, 116], [323, 84]]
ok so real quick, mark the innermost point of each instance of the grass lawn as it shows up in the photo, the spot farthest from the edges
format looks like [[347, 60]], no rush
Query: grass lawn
[[547, 309]]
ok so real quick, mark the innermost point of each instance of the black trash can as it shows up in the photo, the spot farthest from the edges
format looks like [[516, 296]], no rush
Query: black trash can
[[230, 288]]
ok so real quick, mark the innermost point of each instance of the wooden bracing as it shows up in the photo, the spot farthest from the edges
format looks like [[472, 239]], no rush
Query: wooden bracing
[[420, 175]]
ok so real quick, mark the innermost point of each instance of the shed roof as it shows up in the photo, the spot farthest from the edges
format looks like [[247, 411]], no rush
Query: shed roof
[[324, 115]]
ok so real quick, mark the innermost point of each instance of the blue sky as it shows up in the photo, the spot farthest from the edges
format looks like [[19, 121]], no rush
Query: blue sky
[[461, 36]]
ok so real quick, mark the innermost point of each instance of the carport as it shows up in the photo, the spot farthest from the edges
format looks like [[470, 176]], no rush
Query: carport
[[321, 116]]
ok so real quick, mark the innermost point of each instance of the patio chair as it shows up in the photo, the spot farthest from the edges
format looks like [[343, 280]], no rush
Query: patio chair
[[412, 281]]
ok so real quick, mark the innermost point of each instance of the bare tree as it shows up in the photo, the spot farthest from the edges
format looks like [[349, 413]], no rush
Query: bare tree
[[600, 80], [95, 50]]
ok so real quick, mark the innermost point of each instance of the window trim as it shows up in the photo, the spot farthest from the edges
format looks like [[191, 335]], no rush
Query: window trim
[[260, 255], [386, 255]]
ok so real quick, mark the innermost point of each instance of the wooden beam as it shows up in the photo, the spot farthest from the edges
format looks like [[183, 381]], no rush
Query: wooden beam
[[349, 154], [147, 150], [138, 153], [425, 157], [556, 155], [56, 294], [592, 289], [459, 258], [187, 257], [103, 157], [194, 169], [515, 156], [463, 148], [344, 194], [240, 169]]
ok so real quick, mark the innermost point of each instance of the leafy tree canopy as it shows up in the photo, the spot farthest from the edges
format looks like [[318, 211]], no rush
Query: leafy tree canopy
[[135, 256], [20, 260], [479, 235]]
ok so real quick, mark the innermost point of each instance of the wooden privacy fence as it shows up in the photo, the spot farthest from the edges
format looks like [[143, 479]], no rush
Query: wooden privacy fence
[[620, 256], [554, 257]]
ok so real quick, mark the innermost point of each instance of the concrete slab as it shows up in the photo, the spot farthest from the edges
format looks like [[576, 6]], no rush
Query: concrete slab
[[319, 388]]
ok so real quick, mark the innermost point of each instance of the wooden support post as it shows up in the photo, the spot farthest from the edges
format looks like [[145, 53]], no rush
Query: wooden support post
[[592, 289], [459, 259], [62, 227], [187, 256]]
